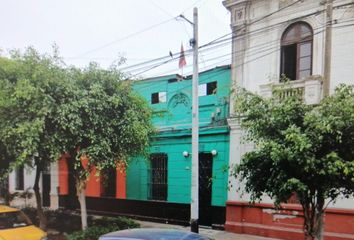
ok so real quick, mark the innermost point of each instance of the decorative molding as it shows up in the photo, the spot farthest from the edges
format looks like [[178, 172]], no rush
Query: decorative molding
[[232, 3], [309, 88], [234, 123], [284, 3], [179, 98]]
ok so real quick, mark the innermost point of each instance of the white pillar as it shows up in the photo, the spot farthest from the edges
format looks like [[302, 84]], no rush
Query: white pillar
[[236, 149], [54, 185]]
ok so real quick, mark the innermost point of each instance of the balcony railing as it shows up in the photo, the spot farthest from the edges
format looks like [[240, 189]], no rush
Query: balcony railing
[[309, 89]]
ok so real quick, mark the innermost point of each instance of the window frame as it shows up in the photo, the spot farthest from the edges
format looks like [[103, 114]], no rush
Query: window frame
[[158, 191], [204, 89], [155, 97], [20, 178], [297, 41]]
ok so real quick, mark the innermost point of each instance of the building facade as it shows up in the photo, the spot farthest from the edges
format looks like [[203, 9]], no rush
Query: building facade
[[22, 180], [158, 187], [308, 43]]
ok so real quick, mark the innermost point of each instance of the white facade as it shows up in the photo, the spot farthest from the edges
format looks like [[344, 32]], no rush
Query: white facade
[[29, 175], [258, 27]]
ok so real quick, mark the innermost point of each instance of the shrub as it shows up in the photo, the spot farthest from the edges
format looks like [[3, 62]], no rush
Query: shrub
[[64, 220], [91, 233], [119, 222], [70, 222], [101, 226]]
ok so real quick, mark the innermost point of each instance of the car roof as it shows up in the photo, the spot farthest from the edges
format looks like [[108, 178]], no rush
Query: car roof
[[152, 234], [4, 209]]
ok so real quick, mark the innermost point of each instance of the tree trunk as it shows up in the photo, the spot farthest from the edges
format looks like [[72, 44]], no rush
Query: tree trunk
[[320, 227], [82, 199], [40, 212], [314, 219]]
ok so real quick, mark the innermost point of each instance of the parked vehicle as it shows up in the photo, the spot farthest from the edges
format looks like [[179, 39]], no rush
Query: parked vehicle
[[152, 234], [15, 225]]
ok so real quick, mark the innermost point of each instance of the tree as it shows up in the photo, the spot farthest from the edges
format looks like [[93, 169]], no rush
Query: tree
[[299, 149], [100, 123], [30, 84]]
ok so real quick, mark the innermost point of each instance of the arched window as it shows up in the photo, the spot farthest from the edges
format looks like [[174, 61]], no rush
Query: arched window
[[296, 51]]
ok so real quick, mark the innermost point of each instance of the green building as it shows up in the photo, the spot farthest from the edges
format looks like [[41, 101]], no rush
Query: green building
[[161, 185]]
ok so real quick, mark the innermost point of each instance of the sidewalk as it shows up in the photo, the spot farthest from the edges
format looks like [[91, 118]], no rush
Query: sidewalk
[[211, 233]]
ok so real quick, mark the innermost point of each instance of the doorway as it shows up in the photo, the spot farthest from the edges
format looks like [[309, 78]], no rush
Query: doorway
[[205, 184], [46, 187], [109, 183]]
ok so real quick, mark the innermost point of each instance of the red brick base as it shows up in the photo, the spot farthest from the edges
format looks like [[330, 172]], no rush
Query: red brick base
[[263, 220]]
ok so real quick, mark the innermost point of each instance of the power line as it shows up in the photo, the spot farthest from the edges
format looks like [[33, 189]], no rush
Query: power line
[[161, 9], [138, 32], [221, 41], [260, 19], [126, 37], [215, 40], [271, 48], [258, 31]]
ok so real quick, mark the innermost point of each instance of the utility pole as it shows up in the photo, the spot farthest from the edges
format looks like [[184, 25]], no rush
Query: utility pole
[[195, 126], [328, 48], [195, 130]]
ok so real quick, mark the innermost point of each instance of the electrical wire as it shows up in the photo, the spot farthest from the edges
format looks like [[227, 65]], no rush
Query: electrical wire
[[254, 47], [219, 38], [168, 20], [124, 38], [214, 44], [274, 49]]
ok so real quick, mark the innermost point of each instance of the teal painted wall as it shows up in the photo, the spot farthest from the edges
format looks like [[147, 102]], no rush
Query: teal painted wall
[[173, 121]]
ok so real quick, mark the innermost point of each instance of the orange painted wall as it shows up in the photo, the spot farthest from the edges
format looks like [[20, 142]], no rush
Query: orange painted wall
[[121, 190], [264, 220], [93, 186], [63, 176]]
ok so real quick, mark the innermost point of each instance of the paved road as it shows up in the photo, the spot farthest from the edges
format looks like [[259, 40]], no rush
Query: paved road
[[211, 233]]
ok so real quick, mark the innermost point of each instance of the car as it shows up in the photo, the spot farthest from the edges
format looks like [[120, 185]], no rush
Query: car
[[152, 234], [15, 225]]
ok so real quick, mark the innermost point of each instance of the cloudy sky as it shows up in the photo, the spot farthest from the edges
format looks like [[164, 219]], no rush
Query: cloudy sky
[[104, 30]]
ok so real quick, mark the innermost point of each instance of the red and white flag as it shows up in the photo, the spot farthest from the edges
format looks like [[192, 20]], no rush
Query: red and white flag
[[182, 58]]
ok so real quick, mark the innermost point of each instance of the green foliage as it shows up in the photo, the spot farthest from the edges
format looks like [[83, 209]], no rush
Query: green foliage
[[29, 84], [47, 109], [101, 119], [299, 148], [67, 221], [91, 233], [307, 150], [102, 226], [117, 222], [61, 220]]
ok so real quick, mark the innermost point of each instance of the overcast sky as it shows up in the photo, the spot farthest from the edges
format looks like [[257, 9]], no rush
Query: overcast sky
[[103, 30]]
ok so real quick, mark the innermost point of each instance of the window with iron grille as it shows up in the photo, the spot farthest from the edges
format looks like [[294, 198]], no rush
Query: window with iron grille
[[158, 177]]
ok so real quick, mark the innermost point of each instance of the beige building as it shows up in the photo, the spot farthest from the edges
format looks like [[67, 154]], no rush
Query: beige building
[[311, 42]]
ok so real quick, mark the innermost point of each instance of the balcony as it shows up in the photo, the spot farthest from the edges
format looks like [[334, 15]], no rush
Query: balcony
[[308, 89]]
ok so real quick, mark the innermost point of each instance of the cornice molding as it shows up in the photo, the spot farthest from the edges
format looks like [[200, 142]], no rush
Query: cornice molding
[[232, 3]]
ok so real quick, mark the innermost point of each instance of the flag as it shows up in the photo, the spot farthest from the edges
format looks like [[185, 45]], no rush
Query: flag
[[182, 58]]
